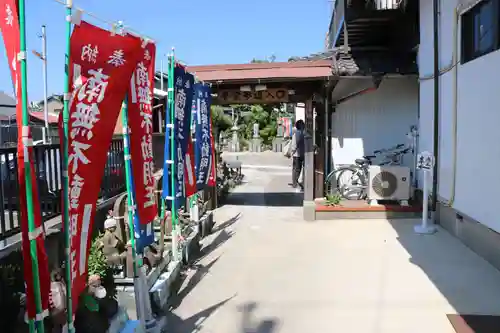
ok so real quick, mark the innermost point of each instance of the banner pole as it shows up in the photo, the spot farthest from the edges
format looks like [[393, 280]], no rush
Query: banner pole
[[65, 179], [131, 203], [27, 173], [193, 202], [166, 151], [143, 307], [171, 103]]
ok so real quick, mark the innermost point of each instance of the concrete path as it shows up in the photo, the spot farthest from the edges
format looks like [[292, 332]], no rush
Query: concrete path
[[265, 270]]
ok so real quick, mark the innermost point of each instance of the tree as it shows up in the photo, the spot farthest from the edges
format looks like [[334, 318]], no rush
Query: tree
[[259, 61], [221, 122], [264, 115], [271, 58]]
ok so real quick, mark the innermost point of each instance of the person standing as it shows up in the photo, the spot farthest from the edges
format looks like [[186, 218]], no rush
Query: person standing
[[297, 151]]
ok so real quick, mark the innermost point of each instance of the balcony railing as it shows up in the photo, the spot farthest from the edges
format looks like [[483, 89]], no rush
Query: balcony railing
[[347, 10], [337, 22], [48, 175]]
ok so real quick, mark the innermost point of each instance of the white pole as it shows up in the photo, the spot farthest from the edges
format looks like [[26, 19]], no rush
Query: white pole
[[425, 163], [161, 74], [425, 207], [45, 98], [160, 118]]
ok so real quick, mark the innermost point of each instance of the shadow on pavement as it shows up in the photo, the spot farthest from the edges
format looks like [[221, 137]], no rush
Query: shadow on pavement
[[199, 272], [175, 324], [284, 199], [227, 223], [464, 279], [269, 199], [251, 325], [218, 241]]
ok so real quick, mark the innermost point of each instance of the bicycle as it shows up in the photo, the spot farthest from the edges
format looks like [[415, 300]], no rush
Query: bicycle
[[351, 181]]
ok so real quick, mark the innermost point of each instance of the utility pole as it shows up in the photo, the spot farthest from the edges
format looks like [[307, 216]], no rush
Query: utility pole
[[43, 56]]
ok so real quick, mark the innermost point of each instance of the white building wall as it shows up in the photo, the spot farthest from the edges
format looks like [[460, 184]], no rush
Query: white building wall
[[478, 119], [375, 120], [300, 112]]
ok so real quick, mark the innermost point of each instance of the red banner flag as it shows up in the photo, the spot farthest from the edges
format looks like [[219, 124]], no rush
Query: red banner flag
[[190, 174], [9, 24], [101, 65], [140, 121]]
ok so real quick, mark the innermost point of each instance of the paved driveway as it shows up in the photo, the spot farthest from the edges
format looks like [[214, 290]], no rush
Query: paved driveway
[[265, 270]]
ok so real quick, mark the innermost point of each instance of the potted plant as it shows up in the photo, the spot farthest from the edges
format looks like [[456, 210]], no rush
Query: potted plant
[[333, 199]]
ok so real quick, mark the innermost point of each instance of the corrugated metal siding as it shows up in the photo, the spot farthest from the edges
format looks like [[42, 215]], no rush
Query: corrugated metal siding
[[375, 120]]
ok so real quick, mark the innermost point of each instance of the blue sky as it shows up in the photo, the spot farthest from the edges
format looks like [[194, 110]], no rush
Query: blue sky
[[202, 32]]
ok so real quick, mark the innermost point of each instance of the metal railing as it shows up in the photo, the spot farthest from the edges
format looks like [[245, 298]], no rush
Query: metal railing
[[8, 134], [336, 23], [48, 173]]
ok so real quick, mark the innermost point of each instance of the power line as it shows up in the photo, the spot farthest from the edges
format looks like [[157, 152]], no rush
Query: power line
[[113, 25], [110, 23]]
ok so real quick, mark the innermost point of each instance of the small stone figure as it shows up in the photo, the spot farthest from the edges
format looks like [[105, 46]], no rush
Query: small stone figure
[[281, 128], [256, 130], [113, 247], [57, 300], [152, 256]]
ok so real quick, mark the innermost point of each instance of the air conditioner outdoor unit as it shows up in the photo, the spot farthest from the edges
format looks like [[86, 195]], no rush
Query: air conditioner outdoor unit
[[389, 183]]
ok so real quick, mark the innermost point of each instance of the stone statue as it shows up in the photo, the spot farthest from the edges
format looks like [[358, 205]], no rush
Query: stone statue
[[256, 130], [57, 300], [280, 128], [113, 247]]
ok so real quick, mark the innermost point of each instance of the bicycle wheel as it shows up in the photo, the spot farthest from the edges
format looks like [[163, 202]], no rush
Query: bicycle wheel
[[339, 180], [331, 182], [351, 183]]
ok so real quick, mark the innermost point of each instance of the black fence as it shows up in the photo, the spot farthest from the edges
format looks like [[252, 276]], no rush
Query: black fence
[[48, 160], [8, 134]]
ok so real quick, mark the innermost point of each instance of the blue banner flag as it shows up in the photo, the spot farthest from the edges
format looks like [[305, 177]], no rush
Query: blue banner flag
[[144, 234], [203, 147], [194, 121], [183, 88]]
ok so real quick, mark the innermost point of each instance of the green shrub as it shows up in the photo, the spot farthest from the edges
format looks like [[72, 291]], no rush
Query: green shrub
[[333, 199], [99, 266]]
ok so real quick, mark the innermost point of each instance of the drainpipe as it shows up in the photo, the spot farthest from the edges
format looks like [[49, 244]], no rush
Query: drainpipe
[[355, 94], [436, 108], [326, 167], [455, 108], [376, 82]]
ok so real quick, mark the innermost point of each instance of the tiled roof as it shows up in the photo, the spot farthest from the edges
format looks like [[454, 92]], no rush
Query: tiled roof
[[262, 71], [39, 115]]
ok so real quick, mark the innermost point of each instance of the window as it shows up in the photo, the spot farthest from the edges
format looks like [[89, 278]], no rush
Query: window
[[480, 30]]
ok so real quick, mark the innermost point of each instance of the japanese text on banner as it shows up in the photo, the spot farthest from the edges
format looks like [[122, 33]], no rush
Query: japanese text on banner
[[140, 120], [100, 69], [203, 142], [184, 83]]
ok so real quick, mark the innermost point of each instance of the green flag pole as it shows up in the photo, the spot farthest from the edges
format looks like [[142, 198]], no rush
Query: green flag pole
[[171, 103], [131, 211], [128, 181], [37, 325], [143, 307], [65, 179]]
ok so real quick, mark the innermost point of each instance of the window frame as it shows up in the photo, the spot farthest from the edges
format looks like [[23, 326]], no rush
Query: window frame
[[469, 33]]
